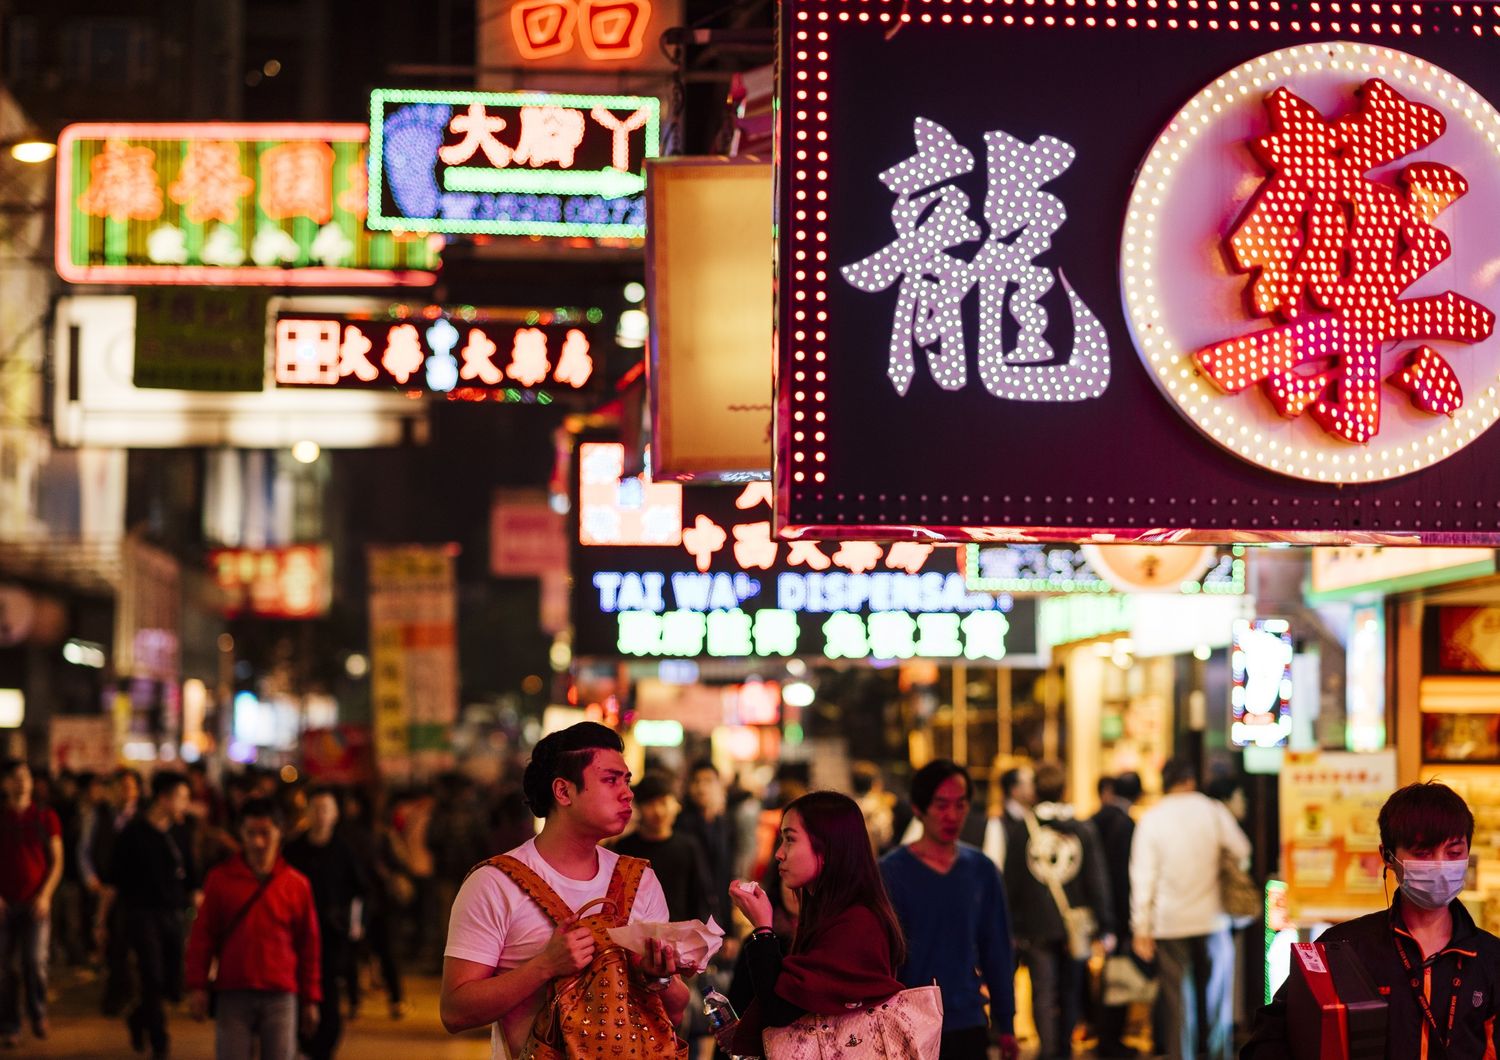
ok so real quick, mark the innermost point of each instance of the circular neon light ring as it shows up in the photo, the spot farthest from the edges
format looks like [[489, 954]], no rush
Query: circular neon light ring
[[1182, 294]]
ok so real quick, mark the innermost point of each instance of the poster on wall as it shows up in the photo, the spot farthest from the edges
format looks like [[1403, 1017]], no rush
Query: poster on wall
[[1330, 845], [1017, 302], [726, 588]]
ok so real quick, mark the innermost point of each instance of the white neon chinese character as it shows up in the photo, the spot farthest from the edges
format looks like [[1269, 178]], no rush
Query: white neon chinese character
[[574, 365], [528, 357], [682, 633], [479, 131], [548, 134], [937, 636], [753, 546], [477, 353], [353, 359], [932, 221]]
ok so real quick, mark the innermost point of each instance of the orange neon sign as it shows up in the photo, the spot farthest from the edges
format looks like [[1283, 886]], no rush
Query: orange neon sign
[[608, 30]]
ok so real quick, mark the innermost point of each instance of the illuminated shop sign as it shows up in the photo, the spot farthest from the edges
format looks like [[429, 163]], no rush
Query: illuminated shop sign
[[1260, 663], [225, 203], [729, 589], [599, 30], [467, 353], [1105, 569], [1019, 303], [291, 582], [521, 163]]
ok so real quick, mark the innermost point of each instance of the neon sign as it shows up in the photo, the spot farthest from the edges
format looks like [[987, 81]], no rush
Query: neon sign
[[608, 30], [1066, 569], [530, 163], [225, 203], [728, 589], [463, 353], [1260, 663], [291, 582]]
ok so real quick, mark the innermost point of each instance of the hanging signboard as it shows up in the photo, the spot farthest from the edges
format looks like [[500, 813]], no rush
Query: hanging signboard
[[709, 250], [225, 203], [729, 589], [294, 581], [527, 355], [516, 163], [1050, 569], [1232, 285], [576, 38]]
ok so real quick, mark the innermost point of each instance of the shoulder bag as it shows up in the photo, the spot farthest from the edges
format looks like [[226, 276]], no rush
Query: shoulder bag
[[905, 1026], [1240, 897], [1079, 923]]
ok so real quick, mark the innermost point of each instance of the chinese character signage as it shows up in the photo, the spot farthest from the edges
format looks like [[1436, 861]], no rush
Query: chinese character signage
[[574, 37], [225, 203], [1330, 842], [1246, 299], [520, 163], [1183, 569], [463, 354], [291, 582], [729, 589]]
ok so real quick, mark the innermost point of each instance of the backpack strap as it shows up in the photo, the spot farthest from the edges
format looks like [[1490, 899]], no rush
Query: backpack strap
[[532, 885], [623, 885]]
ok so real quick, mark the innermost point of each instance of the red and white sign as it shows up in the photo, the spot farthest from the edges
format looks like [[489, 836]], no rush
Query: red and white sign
[[1365, 349], [291, 582], [527, 538]]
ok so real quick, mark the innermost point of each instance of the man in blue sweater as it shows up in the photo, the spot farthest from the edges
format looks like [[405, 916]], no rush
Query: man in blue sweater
[[951, 903]]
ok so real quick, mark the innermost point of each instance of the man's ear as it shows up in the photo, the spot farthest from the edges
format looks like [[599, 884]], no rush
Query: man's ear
[[562, 791]]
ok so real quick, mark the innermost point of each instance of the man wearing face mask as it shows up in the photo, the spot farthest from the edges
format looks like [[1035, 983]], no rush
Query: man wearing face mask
[[1436, 969]]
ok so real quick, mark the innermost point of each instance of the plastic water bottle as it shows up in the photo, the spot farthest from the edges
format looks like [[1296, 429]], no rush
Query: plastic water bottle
[[720, 1013]]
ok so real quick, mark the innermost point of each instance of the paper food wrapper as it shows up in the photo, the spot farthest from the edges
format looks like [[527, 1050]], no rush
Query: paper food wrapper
[[695, 942]]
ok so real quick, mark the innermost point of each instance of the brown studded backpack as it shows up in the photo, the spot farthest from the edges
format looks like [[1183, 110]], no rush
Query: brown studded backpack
[[600, 1011]]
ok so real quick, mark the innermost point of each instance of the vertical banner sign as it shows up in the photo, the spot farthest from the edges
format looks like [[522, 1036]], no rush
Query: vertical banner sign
[[414, 648], [1330, 845], [225, 203], [1146, 271], [514, 163]]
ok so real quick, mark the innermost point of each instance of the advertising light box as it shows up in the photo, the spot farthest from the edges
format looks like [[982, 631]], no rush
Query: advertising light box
[[729, 589], [225, 203], [1032, 568], [1143, 271], [515, 163]]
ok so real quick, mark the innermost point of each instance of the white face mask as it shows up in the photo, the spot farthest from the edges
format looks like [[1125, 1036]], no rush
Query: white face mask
[[1432, 884]]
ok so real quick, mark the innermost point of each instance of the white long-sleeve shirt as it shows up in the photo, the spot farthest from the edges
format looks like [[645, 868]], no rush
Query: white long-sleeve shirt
[[1174, 866]]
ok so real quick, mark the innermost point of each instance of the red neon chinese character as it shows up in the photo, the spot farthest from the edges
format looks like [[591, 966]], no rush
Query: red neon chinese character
[[548, 134], [753, 494], [614, 29], [703, 539], [122, 184], [574, 365], [542, 28], [211, 183], [355, 199], [477, 363], [808, 552], [478, 130], [403, 352], [1332, 251], [909, 556], [296, 180], [753, 546], [856, 557], [528, 357], [353, 359], [307, 352]]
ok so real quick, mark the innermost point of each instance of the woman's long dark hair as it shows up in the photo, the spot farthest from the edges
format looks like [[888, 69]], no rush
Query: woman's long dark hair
[[836, 828]]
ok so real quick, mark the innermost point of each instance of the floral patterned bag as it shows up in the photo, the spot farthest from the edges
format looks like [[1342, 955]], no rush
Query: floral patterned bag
[[907, 1026]]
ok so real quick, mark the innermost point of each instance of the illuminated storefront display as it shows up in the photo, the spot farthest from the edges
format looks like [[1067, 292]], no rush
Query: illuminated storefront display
[[1260, 664], [459, 353], [995, 316], [531, 163], [730, 590], [225, 203], [1066, 569], [291, 582]]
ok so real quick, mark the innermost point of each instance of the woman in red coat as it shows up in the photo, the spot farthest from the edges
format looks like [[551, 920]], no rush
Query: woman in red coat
[[848, 942]]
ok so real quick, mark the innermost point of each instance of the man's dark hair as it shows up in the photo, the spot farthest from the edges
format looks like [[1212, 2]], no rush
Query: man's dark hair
[[654, 786], [703, 765], [564, 755], [166, 781], [1009, 781], [1051, 781], [1128, 786], [1106, 787], [1176, 771], [265, 809], [1424, 815], [926, 781], [9, 766]]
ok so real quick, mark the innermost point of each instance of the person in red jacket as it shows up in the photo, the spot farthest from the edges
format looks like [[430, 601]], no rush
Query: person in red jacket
[[258, 919]]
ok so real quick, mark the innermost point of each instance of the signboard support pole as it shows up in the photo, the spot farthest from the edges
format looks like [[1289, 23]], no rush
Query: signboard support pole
[[1003, 705], [961, 714]]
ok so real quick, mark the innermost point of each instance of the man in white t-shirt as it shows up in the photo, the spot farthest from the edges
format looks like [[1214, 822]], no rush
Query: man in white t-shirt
[[502, 949]]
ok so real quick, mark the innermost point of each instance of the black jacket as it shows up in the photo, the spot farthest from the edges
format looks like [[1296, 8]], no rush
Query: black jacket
[[1116, 829], [1471, 960], [1034, 915]]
